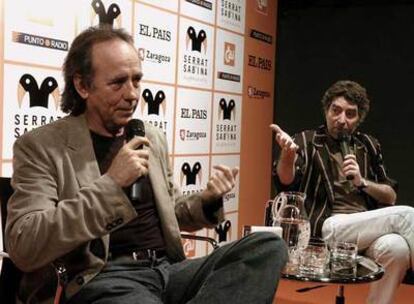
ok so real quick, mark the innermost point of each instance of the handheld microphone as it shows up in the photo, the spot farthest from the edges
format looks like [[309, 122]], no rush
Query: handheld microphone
[[344, 141], [135, 127]]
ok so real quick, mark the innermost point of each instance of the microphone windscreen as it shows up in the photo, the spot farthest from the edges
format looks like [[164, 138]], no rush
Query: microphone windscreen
[[344, 142], [135, 127]]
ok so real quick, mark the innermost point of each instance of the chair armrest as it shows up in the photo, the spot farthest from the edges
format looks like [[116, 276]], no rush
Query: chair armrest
[[210, 240]]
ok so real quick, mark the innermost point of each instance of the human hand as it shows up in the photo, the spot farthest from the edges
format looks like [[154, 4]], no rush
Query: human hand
[[220, 183], [350, 167], [130, 164], [285, 142]]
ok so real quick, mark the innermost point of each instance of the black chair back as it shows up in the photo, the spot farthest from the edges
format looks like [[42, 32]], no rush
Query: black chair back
[[9, 276]]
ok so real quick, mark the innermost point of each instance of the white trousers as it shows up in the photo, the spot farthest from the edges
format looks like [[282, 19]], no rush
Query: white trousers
[[386, 235]]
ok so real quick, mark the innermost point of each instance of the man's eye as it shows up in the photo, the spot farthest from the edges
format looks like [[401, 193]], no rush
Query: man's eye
[[351, 114], [336, 111], [117, 84], [136, 84]]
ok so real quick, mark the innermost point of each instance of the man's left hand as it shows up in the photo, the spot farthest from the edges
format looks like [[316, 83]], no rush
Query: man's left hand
[[220, 183]]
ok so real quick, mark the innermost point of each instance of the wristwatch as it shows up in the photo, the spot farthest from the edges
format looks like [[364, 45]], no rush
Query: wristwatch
[[363, 184]]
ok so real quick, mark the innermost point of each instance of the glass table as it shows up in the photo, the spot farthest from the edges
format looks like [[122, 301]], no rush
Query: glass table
[[367, 271]]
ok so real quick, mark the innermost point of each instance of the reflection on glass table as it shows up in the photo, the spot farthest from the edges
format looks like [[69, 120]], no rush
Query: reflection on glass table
[[366, 271]]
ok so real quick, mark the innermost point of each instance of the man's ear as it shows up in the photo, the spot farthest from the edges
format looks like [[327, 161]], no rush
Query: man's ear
[[80, 86]]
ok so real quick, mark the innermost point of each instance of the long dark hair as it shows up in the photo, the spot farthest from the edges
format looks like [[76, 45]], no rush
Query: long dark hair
[[79, 62]]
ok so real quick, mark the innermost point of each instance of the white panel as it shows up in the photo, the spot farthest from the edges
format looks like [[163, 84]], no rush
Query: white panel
[[231, 14], [231, 199], [192, 131], [195, 59], [227, 111], [203, 10], [191, 173], [38, 32], [156, 106], [23, 116], [156, 41], [171, 5], [117, 13], [229, 62]]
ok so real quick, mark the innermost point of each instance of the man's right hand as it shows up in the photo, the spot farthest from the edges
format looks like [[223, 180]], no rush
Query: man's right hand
[[286, 143], [130, 164], [286, 164]]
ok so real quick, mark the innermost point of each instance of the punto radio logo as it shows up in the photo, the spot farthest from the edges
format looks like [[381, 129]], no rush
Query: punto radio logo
[[40, 41]]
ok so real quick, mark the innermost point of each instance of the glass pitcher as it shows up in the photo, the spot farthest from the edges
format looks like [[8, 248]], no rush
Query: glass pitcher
[[288, 212]]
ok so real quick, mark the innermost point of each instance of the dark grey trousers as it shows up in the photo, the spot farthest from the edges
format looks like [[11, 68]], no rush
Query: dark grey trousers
[[245, 271]]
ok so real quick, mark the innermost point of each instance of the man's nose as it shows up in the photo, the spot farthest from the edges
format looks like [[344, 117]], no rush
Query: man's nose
[[341, 118], [130, 91]]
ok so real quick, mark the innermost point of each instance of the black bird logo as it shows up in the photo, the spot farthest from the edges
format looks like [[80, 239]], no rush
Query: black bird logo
[[191, 174], [225, 110], [222, 229], [153, 103], [38, 97], [106, 17], [196, 40]]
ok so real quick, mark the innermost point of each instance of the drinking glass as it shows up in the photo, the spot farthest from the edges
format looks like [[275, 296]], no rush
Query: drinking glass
[[314, 258], [343, 259]]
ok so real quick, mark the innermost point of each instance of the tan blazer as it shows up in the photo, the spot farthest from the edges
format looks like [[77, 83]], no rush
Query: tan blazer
[[63, 209]]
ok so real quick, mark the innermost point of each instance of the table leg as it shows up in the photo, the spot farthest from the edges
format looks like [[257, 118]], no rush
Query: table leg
[[340, 297]]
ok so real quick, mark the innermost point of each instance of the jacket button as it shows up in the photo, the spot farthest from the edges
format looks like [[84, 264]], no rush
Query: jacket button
[[80, 280], [119, 221]]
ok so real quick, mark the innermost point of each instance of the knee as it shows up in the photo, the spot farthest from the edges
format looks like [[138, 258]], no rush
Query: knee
[[268, 244], [328, 229], [392, 249]]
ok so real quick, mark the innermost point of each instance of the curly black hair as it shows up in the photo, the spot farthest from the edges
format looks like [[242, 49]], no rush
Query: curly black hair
[[352, 91]]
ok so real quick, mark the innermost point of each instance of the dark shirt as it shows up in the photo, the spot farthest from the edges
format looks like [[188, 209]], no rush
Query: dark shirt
[[348, 199], [143, 232]]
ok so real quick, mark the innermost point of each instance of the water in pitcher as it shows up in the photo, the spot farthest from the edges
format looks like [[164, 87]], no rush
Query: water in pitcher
[[296, 233], [288, 212]]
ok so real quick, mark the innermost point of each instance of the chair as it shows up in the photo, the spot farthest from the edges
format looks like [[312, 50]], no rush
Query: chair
[[210, 240], [9, 274]]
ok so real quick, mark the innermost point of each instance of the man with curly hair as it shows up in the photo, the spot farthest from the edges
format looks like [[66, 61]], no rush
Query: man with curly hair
[[345, 190]]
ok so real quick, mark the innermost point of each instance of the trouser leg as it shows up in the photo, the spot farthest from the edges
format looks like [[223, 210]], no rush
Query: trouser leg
[[125, 281], [363, 228], [245, 271], [392, 252]]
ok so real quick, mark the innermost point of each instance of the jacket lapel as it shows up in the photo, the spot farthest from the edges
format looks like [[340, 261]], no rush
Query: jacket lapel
[[166, 211], [361, 155], [322, 161], [81, 151]]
